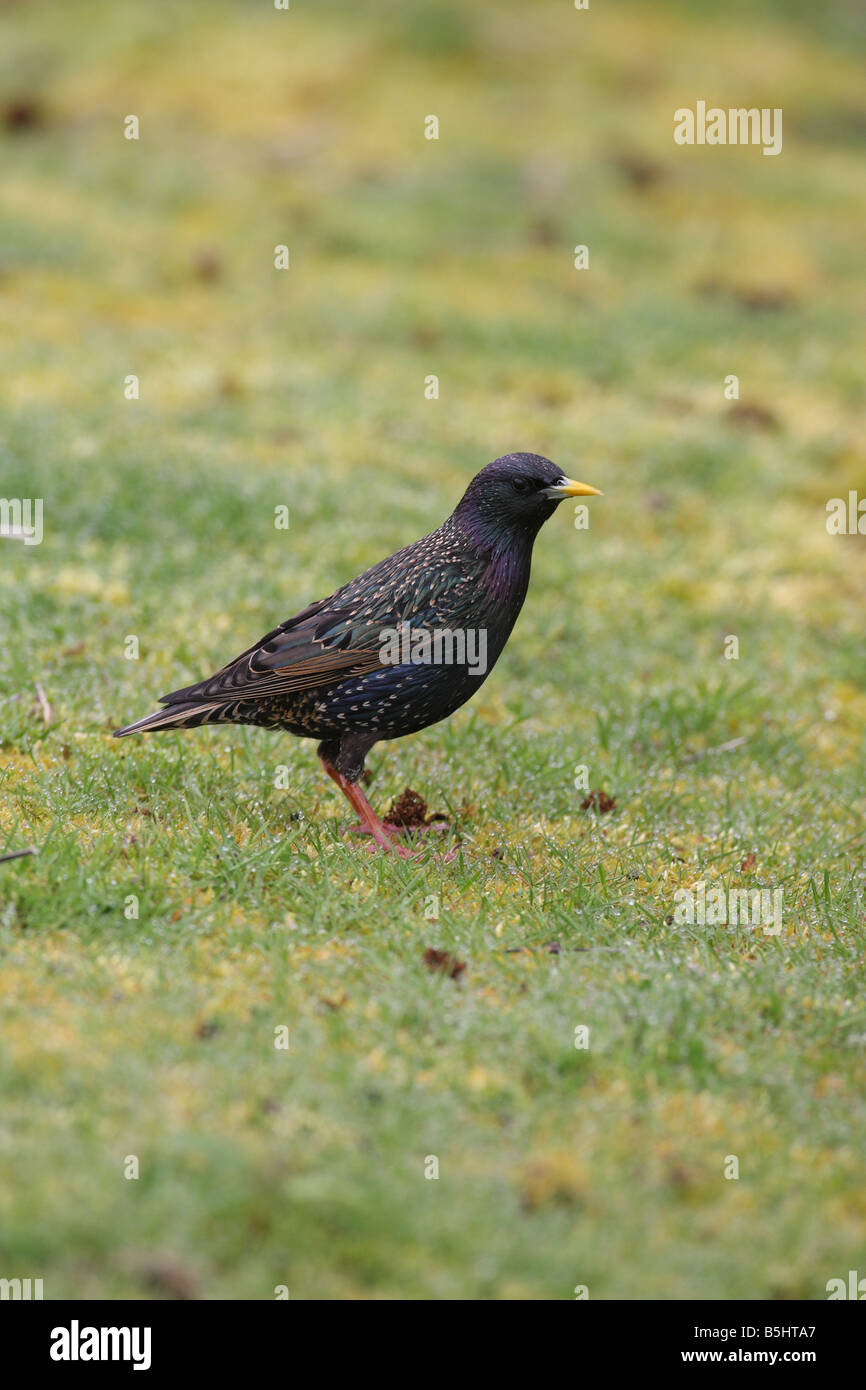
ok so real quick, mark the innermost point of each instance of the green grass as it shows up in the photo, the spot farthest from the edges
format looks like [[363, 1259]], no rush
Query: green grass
[[154, 1036]]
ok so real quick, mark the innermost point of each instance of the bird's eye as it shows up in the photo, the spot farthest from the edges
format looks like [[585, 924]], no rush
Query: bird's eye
[[521, 485]]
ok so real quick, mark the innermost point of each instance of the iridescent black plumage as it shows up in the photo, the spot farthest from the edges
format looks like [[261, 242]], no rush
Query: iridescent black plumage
[[321, 673]]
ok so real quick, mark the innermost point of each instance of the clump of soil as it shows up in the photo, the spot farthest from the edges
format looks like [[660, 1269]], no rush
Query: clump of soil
[[752, 416], [409, 812], [22, 114], [643, 174], [756, 299], [443, 960]]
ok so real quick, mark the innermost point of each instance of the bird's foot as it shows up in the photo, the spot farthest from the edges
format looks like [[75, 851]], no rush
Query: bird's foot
[[389, 842], [383, 837], [359, 828], [403, 852], [391, 847]]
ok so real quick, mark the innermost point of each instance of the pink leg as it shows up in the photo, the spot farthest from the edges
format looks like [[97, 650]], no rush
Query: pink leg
[[370, 823], [360, 829]]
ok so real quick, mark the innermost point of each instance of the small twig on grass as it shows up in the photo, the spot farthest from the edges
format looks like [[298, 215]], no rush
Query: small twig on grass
[[719, 748], [43, 705], [17, 854]]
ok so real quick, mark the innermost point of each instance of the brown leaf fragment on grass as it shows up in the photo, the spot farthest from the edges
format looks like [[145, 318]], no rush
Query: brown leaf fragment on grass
[[553, 1179], [750, 415], [207, 265], [229, 385], [765, 298], [168, 1275], [409, 812], [639, 171], [748, 864], [444, 961], [600, 801], [22, 114], [754, 298], [424, 335], [334, 1001], [544, 232], [678, 1175]]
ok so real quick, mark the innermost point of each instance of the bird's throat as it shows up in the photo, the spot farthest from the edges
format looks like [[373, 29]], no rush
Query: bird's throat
[[505, 553]]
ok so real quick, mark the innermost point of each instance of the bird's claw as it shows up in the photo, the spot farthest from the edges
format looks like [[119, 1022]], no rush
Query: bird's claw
[[390, 846], [394, 830]]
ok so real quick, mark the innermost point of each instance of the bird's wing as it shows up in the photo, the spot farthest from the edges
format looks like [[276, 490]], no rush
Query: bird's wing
[[317, 646], [329, 641]]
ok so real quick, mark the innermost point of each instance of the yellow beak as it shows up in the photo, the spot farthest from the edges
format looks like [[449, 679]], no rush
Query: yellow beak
[[566, 487]]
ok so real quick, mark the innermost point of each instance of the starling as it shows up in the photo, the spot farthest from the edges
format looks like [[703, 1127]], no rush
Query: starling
[[400, 647]]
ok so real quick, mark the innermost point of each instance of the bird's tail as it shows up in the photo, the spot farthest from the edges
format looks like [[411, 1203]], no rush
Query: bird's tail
[[181, 716]]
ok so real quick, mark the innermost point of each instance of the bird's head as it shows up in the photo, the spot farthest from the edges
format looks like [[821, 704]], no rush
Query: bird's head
[[515, 495]]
